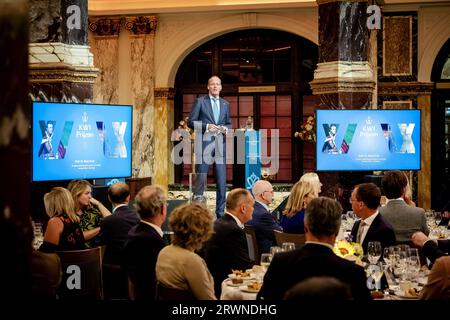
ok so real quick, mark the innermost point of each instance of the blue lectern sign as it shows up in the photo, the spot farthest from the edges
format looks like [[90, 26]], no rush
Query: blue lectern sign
[[252, 158]]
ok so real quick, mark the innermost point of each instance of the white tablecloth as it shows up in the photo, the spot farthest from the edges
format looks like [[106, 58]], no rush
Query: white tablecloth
[[235, 293]]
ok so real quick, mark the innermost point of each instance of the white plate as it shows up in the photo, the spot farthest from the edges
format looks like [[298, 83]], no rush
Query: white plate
[[402, 295], [233, 276], [247, 289]]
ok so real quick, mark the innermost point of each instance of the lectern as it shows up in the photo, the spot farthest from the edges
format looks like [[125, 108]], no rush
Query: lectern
[[247, 158]]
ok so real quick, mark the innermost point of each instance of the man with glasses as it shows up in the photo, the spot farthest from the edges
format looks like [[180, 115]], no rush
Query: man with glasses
[[365, 200], [263, 221]]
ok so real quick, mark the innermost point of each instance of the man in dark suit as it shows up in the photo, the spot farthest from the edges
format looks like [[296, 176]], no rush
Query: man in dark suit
[[263, 221], [227, 249], [113, 234], [316, 257], [365, 201], [210, 116], [114, 228], [431, 249], [145, 240]]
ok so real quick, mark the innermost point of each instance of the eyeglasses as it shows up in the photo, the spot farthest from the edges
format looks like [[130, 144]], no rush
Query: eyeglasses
[[270, 191]]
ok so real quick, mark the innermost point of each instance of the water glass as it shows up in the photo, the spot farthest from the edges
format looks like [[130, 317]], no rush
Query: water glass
[[288, 246], [275, 250], [265, 260]]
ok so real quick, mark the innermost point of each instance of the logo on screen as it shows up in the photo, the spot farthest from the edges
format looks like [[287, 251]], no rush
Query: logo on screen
[[46, 150], [119, 149], [329, 145]]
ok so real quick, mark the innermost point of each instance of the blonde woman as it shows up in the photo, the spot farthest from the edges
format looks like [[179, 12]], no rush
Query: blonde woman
[[63, 229], [90, 210], [313, 178], [178, 266], [301, 194]]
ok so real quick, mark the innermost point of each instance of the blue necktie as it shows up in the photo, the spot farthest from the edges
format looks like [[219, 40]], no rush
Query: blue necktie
[[216, 110]]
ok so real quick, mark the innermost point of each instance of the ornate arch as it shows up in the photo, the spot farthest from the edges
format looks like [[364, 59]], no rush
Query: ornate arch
[[169, 59], [432, 36]]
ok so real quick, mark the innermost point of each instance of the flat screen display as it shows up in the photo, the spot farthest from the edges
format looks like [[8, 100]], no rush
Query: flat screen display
[[368, 140], [81, 141]]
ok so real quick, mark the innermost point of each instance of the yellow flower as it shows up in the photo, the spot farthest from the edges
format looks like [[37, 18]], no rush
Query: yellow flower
[[343, 248]]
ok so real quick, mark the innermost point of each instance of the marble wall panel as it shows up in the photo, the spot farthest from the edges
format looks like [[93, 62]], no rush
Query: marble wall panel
[[397, 46], [424, 175], [162, 163], [397, 105], [45, 21], [58, 21], [106, 60], [345, 100], [63, 91], [142, 86]]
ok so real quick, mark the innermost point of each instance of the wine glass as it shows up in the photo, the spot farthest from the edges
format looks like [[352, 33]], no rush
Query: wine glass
[[373, 251], [376, 274], [38, 238], [387, 255]]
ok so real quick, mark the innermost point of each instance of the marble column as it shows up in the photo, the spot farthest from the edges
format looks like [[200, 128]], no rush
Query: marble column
[[344, 78], [61, 65], [424, 175], [15, 152], [105, 48], [408, 95], [164, 115], [142, 30]]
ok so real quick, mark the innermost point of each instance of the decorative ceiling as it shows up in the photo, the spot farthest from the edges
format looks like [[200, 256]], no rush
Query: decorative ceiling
[[112, 7]]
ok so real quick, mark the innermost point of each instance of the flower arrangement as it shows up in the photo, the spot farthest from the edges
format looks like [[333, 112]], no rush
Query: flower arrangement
[[307, 130], [349, 250]]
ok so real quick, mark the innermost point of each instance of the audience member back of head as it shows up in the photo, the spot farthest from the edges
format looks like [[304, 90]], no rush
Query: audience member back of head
[[319, 288]]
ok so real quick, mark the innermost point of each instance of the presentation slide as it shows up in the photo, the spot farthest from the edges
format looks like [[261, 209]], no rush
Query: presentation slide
[[368, 140], [81, 141]]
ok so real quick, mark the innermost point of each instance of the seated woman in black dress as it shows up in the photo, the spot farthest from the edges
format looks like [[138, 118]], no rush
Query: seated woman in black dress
[[63, 229]]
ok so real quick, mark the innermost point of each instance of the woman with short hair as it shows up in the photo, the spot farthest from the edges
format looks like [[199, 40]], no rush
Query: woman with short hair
[[178, 266]]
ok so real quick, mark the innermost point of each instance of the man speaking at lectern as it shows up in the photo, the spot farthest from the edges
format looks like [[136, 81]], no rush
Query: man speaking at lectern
[[211, 115]]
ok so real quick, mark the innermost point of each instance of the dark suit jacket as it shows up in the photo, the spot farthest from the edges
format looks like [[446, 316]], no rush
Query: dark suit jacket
[[139, 259], [379, 230], [202, 111], [114, 232], [227, 249], [264, 223], [289, 268], [432, 251]]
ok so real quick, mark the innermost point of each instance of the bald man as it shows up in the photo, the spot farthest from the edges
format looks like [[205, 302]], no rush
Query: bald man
[[263, 221]]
